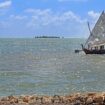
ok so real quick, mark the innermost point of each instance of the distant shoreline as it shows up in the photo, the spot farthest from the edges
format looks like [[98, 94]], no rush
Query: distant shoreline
[[47, 37]]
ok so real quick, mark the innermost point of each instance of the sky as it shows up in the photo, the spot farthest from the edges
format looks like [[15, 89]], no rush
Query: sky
[[64, 18]]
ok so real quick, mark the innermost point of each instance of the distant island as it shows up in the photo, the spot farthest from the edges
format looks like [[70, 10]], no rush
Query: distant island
[[47, 37]]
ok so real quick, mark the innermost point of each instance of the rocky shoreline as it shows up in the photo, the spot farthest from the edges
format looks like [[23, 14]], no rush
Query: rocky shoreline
[[73, 99]]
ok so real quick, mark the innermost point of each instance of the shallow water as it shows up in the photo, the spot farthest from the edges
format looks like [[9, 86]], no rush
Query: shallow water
[[48, 67]]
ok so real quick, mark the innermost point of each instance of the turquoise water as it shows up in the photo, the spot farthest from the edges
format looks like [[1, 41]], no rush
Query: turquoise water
[[48, 67]]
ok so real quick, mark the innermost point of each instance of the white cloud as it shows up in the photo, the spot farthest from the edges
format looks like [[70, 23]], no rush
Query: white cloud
[[38, 11], [5, 4], [48, 22], [18, 17], [94, 15], [49, 17], [56, 22]]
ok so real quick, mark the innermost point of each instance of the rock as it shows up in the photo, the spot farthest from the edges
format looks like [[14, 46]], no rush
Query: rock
[[75, 99], [4, 103], [32, 99], [10, 97], [39, 100], [77, 102], [67, 99], [5, 99], [26, 99], [47, 99], [91, 94], [98, 99], [56, 99], [89, 101]]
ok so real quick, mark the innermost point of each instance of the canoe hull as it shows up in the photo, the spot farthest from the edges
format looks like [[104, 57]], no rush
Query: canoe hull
[[87, 51]]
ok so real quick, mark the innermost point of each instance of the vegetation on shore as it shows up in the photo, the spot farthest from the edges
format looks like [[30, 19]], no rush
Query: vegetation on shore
[[47, 37]]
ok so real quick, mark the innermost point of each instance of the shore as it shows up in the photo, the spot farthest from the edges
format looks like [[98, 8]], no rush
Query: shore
[[73, 99]]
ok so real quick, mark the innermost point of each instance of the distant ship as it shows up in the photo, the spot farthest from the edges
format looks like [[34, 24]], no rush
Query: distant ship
[[95, 44]]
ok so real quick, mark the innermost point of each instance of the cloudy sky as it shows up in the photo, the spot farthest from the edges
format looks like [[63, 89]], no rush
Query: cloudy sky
[[29, 18]]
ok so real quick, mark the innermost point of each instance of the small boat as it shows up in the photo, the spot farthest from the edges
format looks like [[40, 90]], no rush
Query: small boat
[[95, 44]]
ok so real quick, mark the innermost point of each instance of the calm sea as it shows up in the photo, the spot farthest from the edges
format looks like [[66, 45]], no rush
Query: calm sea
[[48, 67]]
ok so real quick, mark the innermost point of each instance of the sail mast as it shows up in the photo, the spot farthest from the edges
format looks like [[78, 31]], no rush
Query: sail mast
[[89, 28], [90, 33]]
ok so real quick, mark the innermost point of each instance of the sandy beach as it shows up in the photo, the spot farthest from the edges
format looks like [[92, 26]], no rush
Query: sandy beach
[[73, 99]]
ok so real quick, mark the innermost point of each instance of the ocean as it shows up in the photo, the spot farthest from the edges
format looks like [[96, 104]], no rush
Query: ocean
[[48, 67]]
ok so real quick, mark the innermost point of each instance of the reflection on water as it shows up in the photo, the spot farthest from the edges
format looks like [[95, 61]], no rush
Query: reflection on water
[[48, 66]]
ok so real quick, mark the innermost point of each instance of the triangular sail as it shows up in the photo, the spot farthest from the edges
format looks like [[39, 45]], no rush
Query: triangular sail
[[98, 33]]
